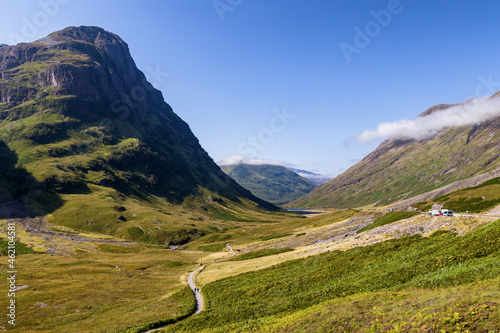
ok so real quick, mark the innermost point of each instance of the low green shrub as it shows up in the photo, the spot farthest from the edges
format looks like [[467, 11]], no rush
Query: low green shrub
[[264, 238], [111, 248], [260, 253], [218, 247], [19, 247]]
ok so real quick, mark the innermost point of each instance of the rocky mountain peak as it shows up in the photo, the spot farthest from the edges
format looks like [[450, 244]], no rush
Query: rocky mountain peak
[[83, 101], [87, 62]]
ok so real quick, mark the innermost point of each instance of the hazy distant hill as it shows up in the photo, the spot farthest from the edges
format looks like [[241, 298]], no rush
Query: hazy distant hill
[[401, 168], [276, 184], [77, 118], [315, 178]]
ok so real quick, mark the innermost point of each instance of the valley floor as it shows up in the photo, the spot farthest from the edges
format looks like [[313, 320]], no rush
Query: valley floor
[[96, 283]]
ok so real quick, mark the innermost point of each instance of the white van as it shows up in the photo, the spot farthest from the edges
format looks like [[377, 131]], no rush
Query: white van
[[436, 212], [447, 212]]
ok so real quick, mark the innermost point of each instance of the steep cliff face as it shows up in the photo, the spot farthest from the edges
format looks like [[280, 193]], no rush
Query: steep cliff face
[[86, 62], [77, 111]]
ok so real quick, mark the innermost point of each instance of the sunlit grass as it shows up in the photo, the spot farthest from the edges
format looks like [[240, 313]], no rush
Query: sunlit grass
[[441, 261], [101, 292]]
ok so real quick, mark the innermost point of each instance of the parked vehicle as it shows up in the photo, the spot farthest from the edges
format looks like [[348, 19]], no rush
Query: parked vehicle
[[436, 212], [447, 212]]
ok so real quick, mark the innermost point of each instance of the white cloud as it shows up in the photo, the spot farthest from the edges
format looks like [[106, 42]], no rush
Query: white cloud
[[472, 112], [252, 161], [315, 178]]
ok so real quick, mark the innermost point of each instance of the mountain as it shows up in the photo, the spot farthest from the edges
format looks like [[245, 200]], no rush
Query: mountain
[[81, 127], [401, 168], [315, 178], [274, 183]]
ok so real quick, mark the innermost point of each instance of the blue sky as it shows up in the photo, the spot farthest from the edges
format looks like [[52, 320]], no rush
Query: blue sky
[[291, 81]]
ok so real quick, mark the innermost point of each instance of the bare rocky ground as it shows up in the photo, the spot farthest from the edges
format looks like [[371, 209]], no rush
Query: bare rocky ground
[[495, 211], [40, 235], [342, 235]]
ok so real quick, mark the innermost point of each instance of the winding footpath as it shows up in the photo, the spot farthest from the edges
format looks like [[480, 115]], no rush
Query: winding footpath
[[199, 297], [192, 284], [200, 302], [230, 249]]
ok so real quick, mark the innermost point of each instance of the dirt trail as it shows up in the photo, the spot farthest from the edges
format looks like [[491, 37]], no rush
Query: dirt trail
[[200, 302], [192, 282]]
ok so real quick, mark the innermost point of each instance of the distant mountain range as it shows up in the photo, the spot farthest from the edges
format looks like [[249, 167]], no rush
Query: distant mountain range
[[273, 183], [79, 120], [401, 168]]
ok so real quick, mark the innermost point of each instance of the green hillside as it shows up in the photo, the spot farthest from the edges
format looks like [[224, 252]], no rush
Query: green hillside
[[475, 199], [402, 168], [272, 183]]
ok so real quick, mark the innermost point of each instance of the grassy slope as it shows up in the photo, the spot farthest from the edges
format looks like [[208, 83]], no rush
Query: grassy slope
[[273, 183], [85, 178], [259, 254], [152, 219], [473, 199], [471, 307], [440, 262], [398, 170]]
